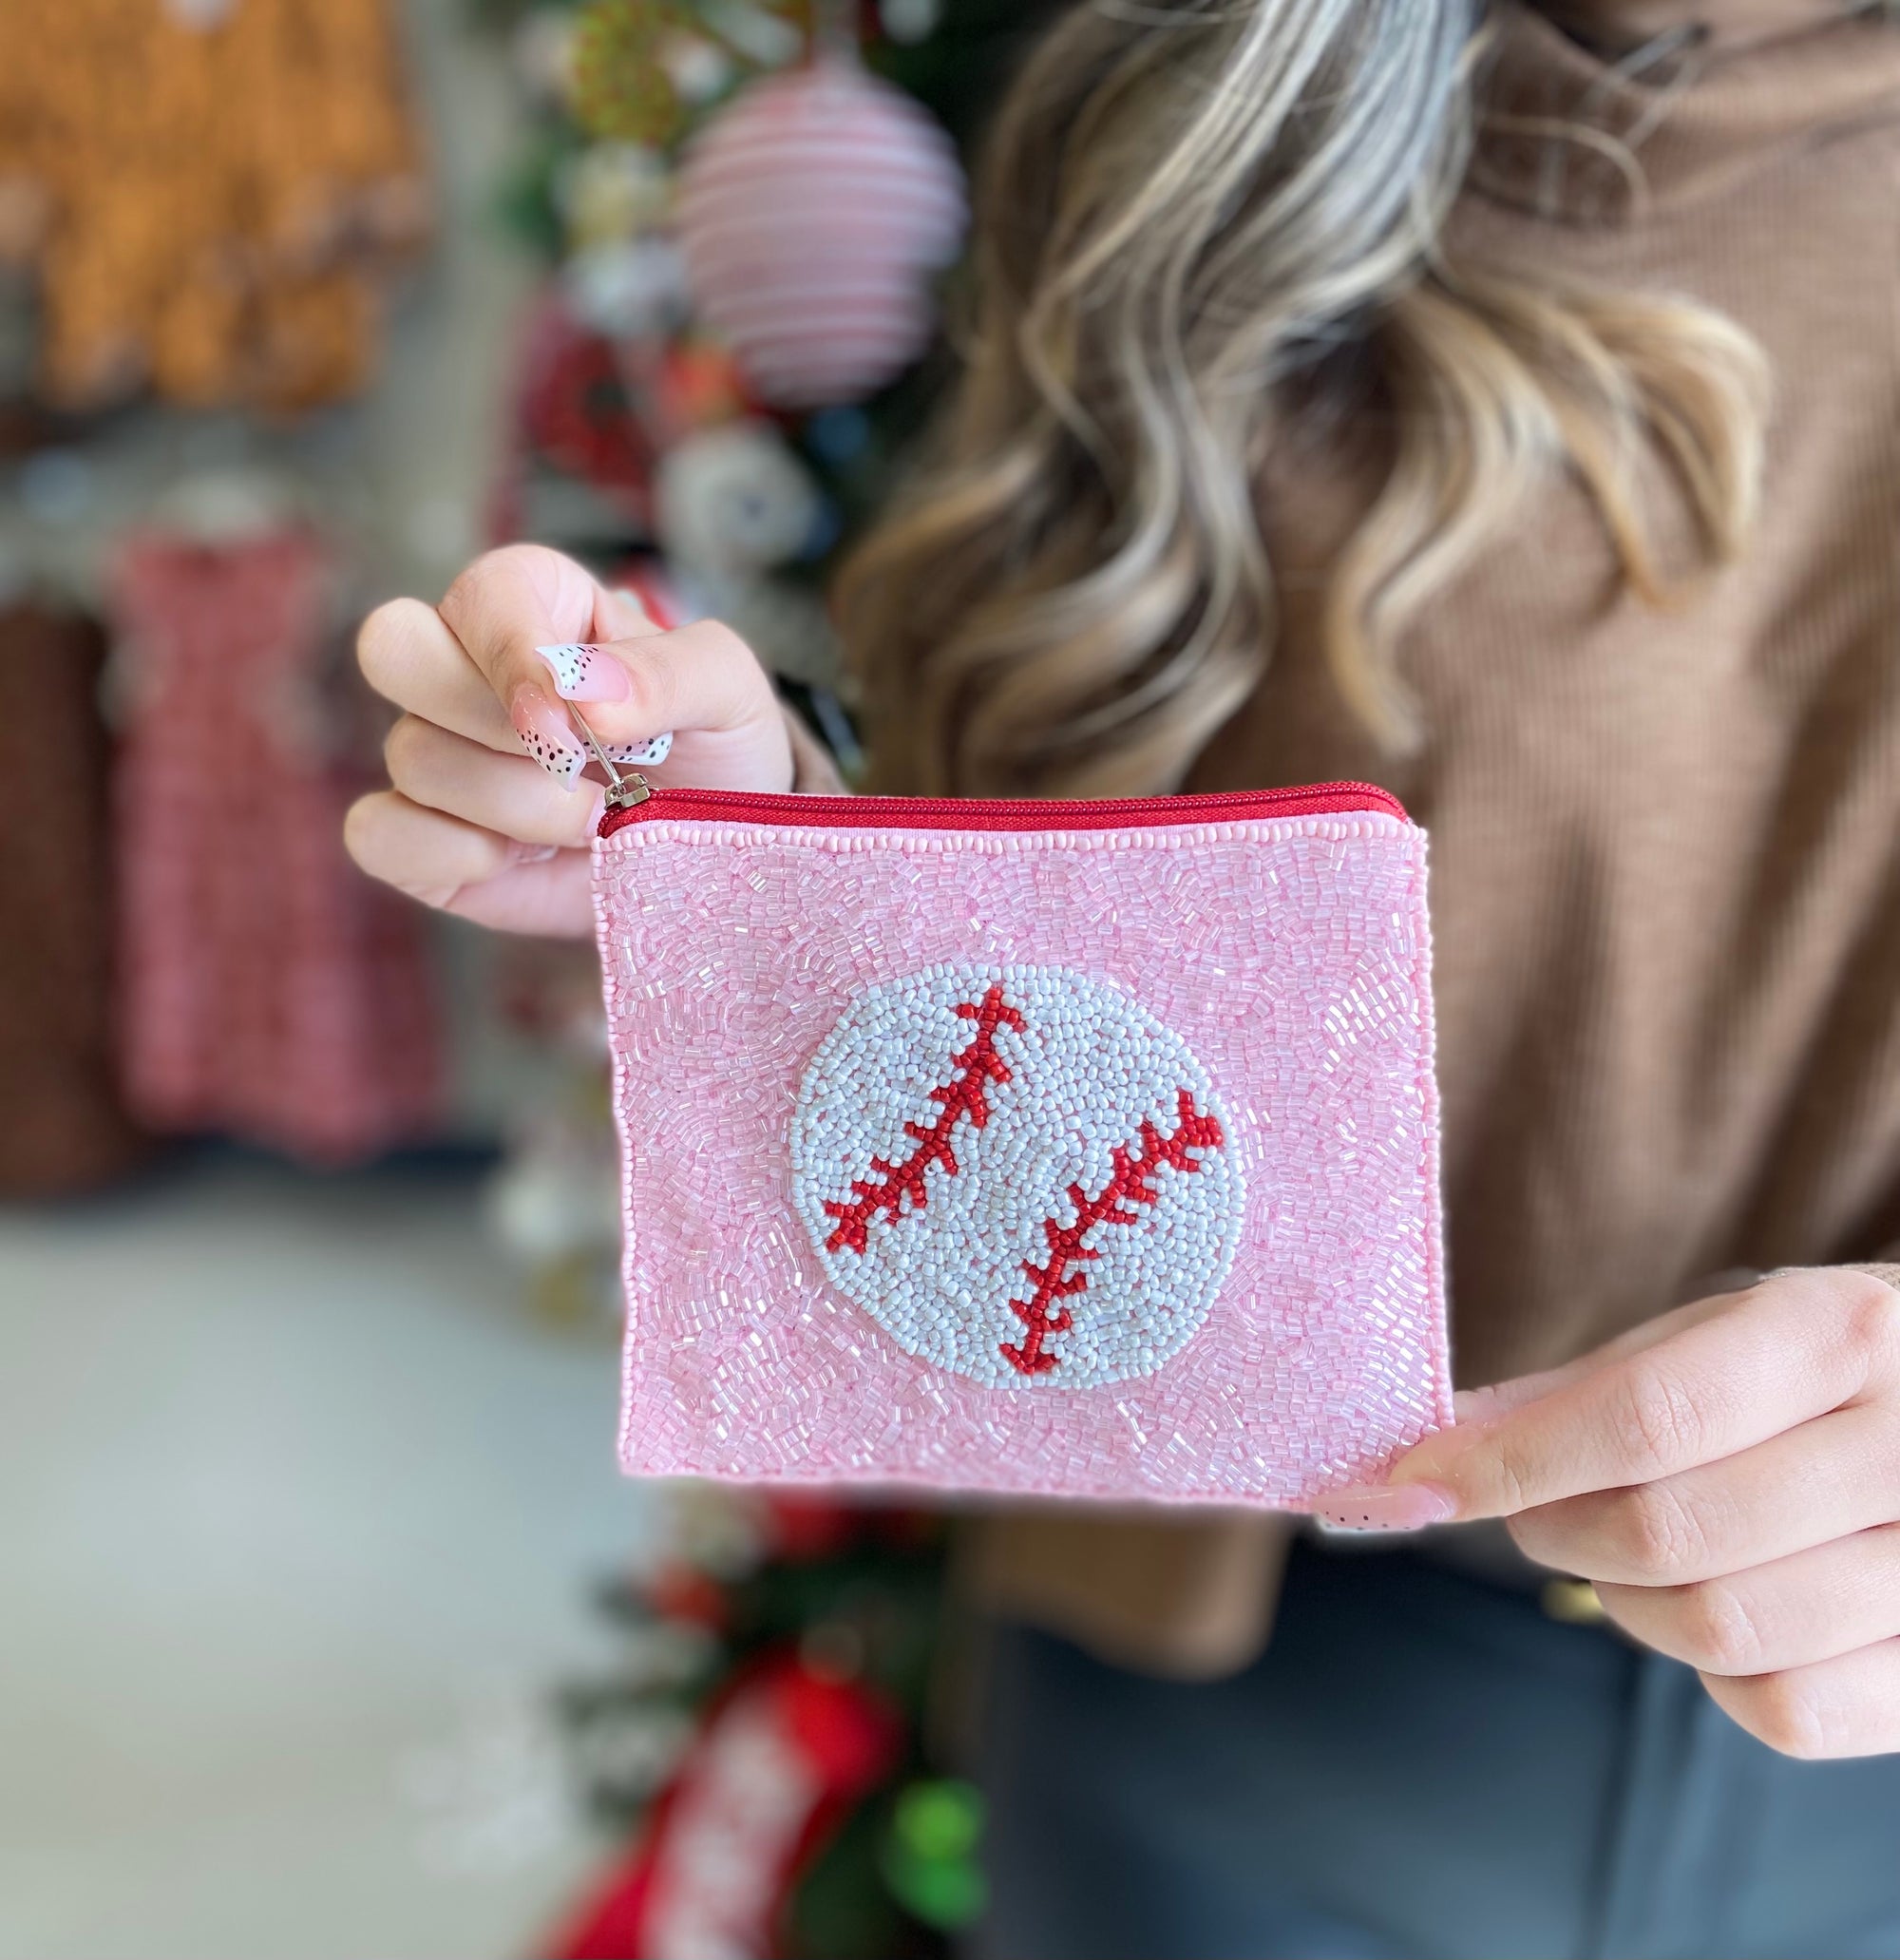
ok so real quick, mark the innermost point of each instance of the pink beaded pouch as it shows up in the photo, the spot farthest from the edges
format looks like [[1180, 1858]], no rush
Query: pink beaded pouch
[[1080, 1149]]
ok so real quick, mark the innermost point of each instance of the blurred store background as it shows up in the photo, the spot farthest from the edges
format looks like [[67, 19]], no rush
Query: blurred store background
[[326, 1623]]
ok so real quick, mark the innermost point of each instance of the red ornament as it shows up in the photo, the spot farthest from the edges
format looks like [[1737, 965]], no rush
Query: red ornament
[[575, 414], [680, 1591], [781, 1761], [813, 212], [802, 1528]]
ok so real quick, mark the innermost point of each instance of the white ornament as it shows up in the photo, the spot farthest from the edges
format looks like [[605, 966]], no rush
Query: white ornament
[[631, 289], [699, 68], [612, 191], [733, 499], [1019, 1173], [910, 20]]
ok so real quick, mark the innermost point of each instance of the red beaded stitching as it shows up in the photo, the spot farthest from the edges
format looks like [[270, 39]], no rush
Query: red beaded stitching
[[1129, 1184], [966, 1093]]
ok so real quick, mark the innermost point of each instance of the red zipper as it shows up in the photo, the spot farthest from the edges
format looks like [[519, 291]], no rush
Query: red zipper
[[998, 813]]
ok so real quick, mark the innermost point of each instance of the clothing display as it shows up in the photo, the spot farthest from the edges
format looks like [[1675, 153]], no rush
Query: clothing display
[[67, 1128], [207, 192], [270, 990], [1666, 841]]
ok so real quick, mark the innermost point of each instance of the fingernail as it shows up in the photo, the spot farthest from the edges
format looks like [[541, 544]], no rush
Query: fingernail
[[1387, 1507], [586, 673], [535, 853], [652, 753], [547, 734]]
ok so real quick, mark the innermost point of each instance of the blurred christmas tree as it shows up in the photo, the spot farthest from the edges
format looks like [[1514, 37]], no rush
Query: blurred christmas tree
[[765, 1740], [749, 210], [750, 213]]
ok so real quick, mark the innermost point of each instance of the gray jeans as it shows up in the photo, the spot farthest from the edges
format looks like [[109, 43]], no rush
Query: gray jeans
[[1423, 1766]]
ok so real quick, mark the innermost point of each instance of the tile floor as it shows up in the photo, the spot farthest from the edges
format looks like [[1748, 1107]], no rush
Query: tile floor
[[297, 1515]]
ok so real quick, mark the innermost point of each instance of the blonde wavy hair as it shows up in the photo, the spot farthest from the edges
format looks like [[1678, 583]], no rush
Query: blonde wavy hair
[[1186, 208]]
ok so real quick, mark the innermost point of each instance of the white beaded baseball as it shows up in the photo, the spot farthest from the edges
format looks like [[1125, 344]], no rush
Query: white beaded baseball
[[1019, 1172]]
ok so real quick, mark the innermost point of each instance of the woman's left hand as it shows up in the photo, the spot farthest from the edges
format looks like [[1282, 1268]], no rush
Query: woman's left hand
[[1729, 1478]]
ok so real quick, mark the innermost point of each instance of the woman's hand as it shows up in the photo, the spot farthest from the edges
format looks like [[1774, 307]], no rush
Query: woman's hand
[[1729, 1477], [473, 824]]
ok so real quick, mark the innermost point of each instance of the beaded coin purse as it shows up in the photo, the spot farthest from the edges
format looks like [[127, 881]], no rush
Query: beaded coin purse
[[1083, 1150]]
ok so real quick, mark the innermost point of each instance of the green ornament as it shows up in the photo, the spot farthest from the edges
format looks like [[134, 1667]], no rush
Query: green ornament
[[929, 1854], [622, 89], [939, 1819]]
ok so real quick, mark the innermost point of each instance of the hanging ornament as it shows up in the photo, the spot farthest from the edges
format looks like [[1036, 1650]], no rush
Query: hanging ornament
[[575, 411], [782, 1758], [642, 67], [730, 502], [908, 21], [621, 86], [611, 191], [813, 211], [733, 499], [634, 291]]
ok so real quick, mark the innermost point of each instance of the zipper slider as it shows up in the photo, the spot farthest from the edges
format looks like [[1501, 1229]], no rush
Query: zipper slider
[[623, 791]]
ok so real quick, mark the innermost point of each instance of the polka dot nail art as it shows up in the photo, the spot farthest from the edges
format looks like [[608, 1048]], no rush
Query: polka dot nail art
[[584, 673], [651, 753], [547, 734]]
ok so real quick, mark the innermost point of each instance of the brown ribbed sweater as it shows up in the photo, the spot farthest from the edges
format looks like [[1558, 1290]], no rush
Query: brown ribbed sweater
[[1665, 884]]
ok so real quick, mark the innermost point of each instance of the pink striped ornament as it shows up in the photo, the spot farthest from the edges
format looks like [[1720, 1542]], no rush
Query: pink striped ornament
[[811, 213]]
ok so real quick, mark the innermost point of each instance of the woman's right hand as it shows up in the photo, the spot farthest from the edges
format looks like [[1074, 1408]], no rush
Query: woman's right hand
[[474, 825]]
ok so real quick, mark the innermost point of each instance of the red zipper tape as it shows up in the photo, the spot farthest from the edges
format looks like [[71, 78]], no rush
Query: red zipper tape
[[999, 813]]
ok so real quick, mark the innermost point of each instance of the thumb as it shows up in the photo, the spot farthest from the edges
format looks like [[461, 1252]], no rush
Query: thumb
[[596, 669], [544, 635], [513, 601]]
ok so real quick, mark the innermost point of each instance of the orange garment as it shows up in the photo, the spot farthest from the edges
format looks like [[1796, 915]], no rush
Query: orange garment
[[207, 204]]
